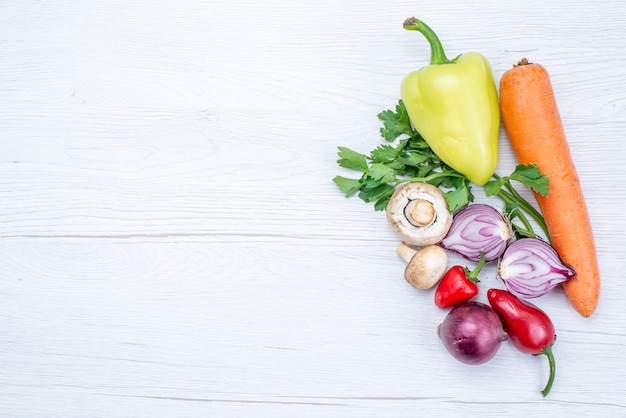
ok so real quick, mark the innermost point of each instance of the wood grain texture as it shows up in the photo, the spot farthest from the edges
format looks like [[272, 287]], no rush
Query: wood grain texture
[[173, 246]]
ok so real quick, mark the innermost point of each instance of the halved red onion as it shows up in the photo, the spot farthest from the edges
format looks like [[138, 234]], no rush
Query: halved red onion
[[475, 228], [530, 267]]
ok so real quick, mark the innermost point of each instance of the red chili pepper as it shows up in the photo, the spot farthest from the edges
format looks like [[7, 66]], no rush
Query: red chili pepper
[[458, 285], [530, 330]]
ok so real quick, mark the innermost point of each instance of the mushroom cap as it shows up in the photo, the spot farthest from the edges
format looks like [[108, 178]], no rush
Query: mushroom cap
[[426, 267], [419, 213]]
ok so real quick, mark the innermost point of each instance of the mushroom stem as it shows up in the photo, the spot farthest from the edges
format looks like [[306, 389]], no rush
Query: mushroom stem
[[420, 212], [406, 252], [425, 266]]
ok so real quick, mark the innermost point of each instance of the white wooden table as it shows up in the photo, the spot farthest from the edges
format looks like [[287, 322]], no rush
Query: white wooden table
[[172, 244]]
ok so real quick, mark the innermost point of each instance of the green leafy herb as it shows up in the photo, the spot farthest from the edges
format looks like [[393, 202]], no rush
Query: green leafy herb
[[403, 158], [348, 186], [531, 177], [395, 123], [352, 159], [406, 157], [459, 197]]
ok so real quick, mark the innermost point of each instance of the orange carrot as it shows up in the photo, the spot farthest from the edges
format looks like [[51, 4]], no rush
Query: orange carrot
[[534, 127]]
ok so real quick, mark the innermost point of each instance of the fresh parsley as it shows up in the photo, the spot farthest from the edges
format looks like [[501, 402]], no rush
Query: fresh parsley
[[515, 205], [406, 157]]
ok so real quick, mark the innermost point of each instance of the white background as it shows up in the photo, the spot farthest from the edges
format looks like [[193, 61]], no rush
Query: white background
[[172, 244]]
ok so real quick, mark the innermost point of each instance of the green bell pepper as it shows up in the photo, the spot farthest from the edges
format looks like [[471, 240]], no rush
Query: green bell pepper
[[453, 104]]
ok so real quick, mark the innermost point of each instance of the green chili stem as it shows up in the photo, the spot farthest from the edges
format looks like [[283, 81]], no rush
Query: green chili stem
[[548, 352], [437, 54], [472, 276]]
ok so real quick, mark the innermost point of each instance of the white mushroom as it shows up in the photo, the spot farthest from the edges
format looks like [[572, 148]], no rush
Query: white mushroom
[[425, 267], [419, 213]]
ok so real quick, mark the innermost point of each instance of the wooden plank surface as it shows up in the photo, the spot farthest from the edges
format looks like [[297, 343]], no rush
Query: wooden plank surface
[[173, 246]]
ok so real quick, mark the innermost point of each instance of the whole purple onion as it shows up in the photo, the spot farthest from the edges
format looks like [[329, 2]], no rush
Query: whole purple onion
[[530, 267], [472, 332], [475, 228]]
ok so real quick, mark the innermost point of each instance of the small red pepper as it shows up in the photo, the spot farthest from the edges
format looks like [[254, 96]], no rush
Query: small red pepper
[[458, 285], [530, 330]]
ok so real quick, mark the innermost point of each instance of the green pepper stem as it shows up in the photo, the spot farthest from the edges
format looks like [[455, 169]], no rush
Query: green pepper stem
[[437, 54], [472, 276], [548, 353]]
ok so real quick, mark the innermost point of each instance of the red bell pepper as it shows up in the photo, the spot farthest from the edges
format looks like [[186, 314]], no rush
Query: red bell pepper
[[530, 330], [458, 285]]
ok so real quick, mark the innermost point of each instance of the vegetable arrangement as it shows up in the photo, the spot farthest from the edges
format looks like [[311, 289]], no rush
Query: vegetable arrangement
[[441, 142]]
